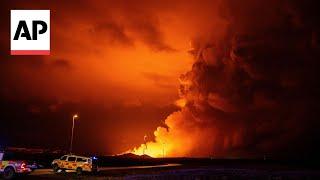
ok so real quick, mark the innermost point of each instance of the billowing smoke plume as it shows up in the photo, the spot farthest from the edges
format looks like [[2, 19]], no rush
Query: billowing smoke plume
[[252, 92]]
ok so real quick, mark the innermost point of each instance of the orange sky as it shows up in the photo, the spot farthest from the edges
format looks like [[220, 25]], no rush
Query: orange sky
[[128, 54], [123, 52], [248, 80]]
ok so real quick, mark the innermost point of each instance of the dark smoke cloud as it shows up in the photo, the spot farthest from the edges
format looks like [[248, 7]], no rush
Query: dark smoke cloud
[[151, 35], [258, 86], [112, 33], [62, 63]]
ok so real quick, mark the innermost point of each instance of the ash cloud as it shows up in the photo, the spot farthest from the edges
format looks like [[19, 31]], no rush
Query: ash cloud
[[253, 91], [259, 88]]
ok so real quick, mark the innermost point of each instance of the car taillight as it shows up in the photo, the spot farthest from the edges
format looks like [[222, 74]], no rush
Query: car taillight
[[23, 166]]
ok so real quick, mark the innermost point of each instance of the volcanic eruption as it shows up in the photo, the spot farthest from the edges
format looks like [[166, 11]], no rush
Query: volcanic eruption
[[252, 91]]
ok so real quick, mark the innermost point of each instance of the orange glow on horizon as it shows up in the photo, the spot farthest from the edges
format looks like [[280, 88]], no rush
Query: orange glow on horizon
[[176, 141]]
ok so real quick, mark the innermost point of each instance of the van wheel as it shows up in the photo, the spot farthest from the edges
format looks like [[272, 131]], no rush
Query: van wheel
[[79, 171], [9, 173], [55, 168]]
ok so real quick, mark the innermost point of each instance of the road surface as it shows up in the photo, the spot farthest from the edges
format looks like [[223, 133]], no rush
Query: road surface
[[179, 171], [50, 171]]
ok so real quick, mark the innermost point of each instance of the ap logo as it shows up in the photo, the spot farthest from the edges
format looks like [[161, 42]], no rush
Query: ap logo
[[30, 32]]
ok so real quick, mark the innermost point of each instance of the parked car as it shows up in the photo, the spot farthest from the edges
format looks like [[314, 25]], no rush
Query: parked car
[[78, 163], [10, 167]]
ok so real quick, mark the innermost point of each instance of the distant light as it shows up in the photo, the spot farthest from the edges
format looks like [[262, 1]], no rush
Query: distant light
[[75, 116], [95, 158]]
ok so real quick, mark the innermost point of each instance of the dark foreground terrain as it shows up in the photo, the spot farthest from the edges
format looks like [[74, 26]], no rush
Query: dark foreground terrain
[[130, 166], [186, 168]]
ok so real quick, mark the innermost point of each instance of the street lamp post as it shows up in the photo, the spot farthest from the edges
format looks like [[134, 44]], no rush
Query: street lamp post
[[145, 143], [71, 142]]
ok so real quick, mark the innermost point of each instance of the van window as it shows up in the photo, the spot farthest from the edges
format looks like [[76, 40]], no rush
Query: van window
[[72, 159], [81, 160], [63, 158]]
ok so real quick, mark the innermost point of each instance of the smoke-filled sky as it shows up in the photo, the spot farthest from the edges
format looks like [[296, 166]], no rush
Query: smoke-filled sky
[[211, 78]]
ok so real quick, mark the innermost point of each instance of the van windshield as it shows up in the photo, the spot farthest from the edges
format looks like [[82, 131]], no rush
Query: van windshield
[[63, 158]]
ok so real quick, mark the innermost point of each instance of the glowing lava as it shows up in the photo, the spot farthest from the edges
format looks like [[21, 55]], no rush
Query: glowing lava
[[179, 139]]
